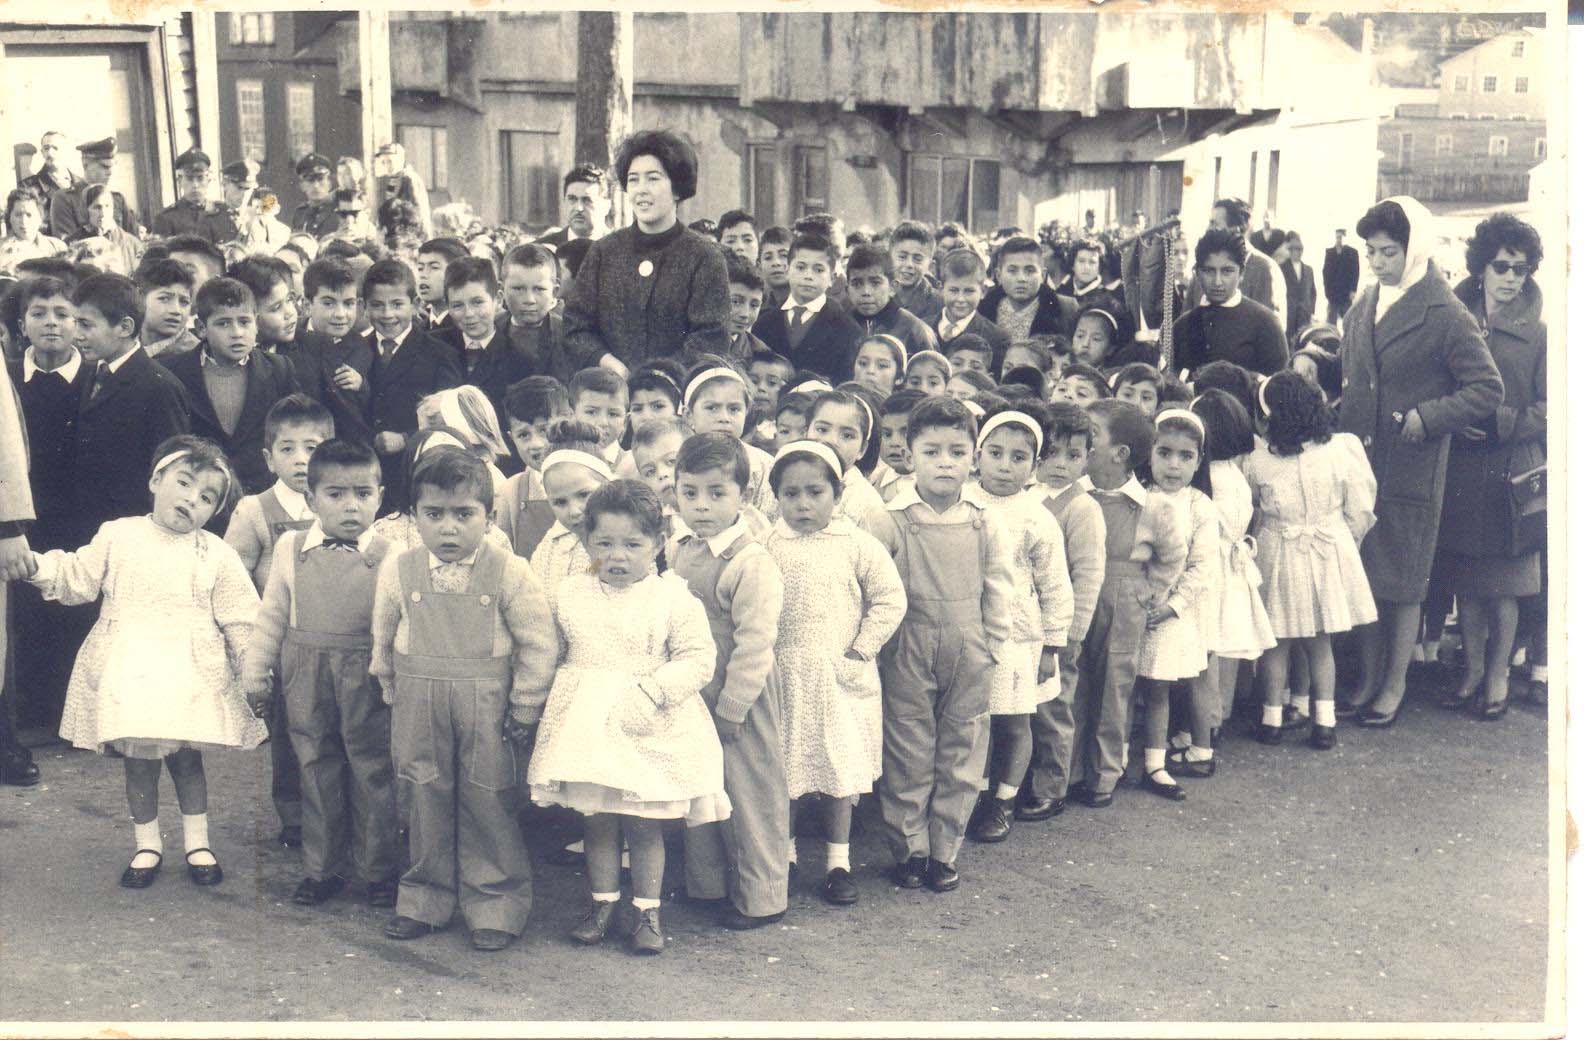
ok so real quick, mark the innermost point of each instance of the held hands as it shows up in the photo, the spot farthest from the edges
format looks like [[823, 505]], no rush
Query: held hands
[[389, 443], [1048, 663], [348, 378], [1413, 430], [17, 561], [522, 734], [256, 688], [1159, 613]]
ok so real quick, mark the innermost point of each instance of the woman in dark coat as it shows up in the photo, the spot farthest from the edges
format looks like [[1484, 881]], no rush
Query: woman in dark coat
[[654, 288], [1479, 548], [1415, 370]]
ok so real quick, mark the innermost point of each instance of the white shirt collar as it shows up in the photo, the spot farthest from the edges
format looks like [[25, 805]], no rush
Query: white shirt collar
[[294, 503], [68, 371], [118, 362], [952, 329], [469, 560], [315, 537], [205, 358], [719, 543], [974, 493], [399, 339], [476, 344], [1132, 490], [810, 308], [1232, 301]]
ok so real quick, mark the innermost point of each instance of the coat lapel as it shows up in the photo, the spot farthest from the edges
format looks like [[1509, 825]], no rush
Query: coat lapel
[[114, 381], [1405, 316], [188, 369]]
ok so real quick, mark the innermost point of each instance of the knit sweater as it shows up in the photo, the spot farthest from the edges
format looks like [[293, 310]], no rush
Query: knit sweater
[[639, 296], [749, 590], [1083, 528]]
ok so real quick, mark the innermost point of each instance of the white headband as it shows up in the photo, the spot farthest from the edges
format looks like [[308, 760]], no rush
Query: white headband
[[810, 386], [719, 372], [1009, 418], [439, 439], [975, 409], [182, 453], [593, 463], [892, 344], [933, 355], [820, 451], [1185, 415], [1107, 315], [1264, 407]]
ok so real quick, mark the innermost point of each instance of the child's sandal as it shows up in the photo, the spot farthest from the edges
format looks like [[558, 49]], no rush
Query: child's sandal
[[142, 877]]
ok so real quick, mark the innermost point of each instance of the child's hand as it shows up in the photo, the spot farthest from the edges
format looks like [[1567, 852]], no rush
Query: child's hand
[[379, 688], [389, 443], [1048, 663], [256, 689], [1067, 656], [523, 734], [348, 378], [1158, 614], [728, 731]]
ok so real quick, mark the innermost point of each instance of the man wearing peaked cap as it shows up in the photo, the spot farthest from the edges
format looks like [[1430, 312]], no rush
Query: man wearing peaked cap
[[316, 215], [191, 214], [237, 181], [52, 175], [68, 211]]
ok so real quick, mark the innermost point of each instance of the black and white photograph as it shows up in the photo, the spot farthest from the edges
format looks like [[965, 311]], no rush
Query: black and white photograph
[[900, 520]]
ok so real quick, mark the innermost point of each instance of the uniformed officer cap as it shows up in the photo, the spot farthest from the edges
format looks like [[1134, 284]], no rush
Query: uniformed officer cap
[[239, 172], [193, 158], [311, 162], [103, 149]]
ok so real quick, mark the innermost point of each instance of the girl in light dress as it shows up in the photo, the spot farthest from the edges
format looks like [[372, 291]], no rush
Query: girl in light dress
[[843, 422], [1010, 441], [718, 397], [573, 470], [157, 680], [1175, 643], [626, 739], [400, 528], [843, 599], [1315, 493]]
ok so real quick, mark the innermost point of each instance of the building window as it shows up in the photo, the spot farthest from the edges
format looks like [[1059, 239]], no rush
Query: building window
[[1217, 192], [1459, 115], [252, 30], [530, 165], [251, 134], [300, 118], [426, 150], [948, 187], [1443, 144], [810, 179], [1518, 49], [1540, 148], [1488, 85], [1521, 85], [1460, 84], [1272, 180], [760, 183], [1488, 115], [1405, 147], [1498, 147]]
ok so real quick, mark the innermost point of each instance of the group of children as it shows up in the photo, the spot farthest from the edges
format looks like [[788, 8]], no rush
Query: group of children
[[895, 556]]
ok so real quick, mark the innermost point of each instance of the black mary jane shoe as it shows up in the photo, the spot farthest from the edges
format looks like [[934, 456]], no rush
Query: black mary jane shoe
[[839, 888], [1179, 764], [1036, 809], [204, 873], [1322, 738], [1491, 712], [1372, 719], [1168, 791], [142, 877], [1268, 735]]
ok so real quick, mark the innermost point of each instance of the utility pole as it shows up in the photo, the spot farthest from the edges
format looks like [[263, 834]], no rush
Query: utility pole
[[374, 82], [604, 92]]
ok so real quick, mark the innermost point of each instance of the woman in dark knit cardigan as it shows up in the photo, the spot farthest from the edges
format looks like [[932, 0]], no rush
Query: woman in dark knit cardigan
[[654, 288]]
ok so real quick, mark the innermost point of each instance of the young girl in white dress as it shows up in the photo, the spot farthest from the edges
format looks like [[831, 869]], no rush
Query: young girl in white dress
[[843, 599], [626, 739], [718, 397], [843, 422], [1175, 644], [1010, 441], [157, 678], [572, 471], [1316, 497]]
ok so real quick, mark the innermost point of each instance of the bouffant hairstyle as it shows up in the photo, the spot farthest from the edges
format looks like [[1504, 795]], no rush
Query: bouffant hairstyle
[[674, 154], [1385, 218], [1221, 240], [1296, 413], [1503, 231]]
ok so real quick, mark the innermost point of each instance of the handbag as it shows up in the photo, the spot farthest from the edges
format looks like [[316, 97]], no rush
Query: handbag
[[1526, 492]]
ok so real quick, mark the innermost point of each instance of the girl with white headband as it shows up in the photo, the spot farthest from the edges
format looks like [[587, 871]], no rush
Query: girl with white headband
[[1176, 646], [1010, 443], [156, 681], [573, 470], [842, 600], [845, 422], [880, 363], [718, 398], [466, 410]]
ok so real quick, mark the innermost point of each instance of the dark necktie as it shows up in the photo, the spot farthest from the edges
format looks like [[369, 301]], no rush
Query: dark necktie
[[387, 347], [101, 377], [798, 314], [347, 544]]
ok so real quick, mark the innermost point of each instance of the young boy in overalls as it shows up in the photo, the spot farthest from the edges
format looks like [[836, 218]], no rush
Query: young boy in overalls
[[293, 428], [956, 564], [462, 632], [726, 567], [1143, 552], [313, 631]]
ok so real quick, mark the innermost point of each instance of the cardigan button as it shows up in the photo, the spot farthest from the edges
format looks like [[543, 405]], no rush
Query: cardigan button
[[417, 596], [1368, 440], [646, 269]]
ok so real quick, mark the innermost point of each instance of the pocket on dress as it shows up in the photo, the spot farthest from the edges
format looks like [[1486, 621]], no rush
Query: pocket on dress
[[412, 732], [857, 678], [636, 715]]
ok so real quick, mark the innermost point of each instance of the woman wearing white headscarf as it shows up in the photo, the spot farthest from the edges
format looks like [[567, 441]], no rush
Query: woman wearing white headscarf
[[1415, 370]]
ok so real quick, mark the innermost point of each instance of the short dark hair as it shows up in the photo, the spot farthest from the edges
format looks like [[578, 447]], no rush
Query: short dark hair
[[1503, 231], [162, 273], [295, 410], [1064, 421], [1138, 372], [1237, 212], [732, 217], [1221, 240], [1016, 244], [912, 231], [347, 454], [868, 257], [43, 287], [962, 263], [447, 246], [1089, 374], [675, 155], [741, 272], [1225, 375], [534, 398], [392, 273], [202, 454], [1386, 218], [775, 235], [781, 465], [222, 292], [941, 412], [531, 254], [261, 274], [194, 244], [1022, 377], [468, 270], [1041, 349], [629, 498], [799, 402], [704, 226], [825, 225], [68, 271], [901, 402], [1128, 426], [1229, 432], [329, 274], [585, 173], [339, 249], [978, 380], [1086, 245], [450, 469], [650, 431], [706, 451], [661, 375], [1298, 413], [596, 380], [972, 342], [804, 242]]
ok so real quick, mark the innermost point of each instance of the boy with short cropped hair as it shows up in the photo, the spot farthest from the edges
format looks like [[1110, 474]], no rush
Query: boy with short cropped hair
[[429, 270], [1021, 302], [774, 245], [808, 329], [912, 250], [747, 290], [598, 397], [962, 287], [313, 631], [528, 291], [462, 634], [202, 256], [334, 365], [893, 437], [738, 235], [167, 288], [871, 292], [955, 559], [524, 511], [488, 360], [970, 353]]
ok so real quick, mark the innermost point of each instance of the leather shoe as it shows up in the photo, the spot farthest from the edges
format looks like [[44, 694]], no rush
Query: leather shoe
[[1098, 799], [941, 877], [490, 940], [204, 873], [142, 877], [1372, 719], [1169, 791], [313, 891], [596, 922], [738, 921], [1491, 712], [911, 873], [995, 823], [1271, 735], [17, 768], [400, 927], [646, 937], [1179, 764], [839, 889], [291, 837], [1036, 809], [382, 894], [1322, 738]]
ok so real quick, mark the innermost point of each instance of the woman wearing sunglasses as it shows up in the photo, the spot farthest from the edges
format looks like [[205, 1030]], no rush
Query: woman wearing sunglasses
[[1491, 560]]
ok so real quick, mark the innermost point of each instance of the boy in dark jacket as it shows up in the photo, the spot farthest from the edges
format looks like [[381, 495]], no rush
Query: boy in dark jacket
[[809, 328], [872, 292]]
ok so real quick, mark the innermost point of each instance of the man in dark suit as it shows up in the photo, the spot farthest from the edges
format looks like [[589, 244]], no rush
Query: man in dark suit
[[809, 328], [1300, 287], [1269, 238], [51, 177], [1340, 277], [587, 204], [68, 212]]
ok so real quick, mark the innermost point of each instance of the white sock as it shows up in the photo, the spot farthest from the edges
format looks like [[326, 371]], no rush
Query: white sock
[[1180, 740], [639, 903], [1154, 758], [576, 846], [195, 835], [1301, 705], [1199, 754], [836, 856], [1325, 713], [1537, 673], [605, 897], [1271, 715], [1005, 792], [791, 851], [146, 836]]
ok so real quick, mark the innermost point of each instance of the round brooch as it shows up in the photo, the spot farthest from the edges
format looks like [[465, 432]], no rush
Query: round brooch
[[646, 269]]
